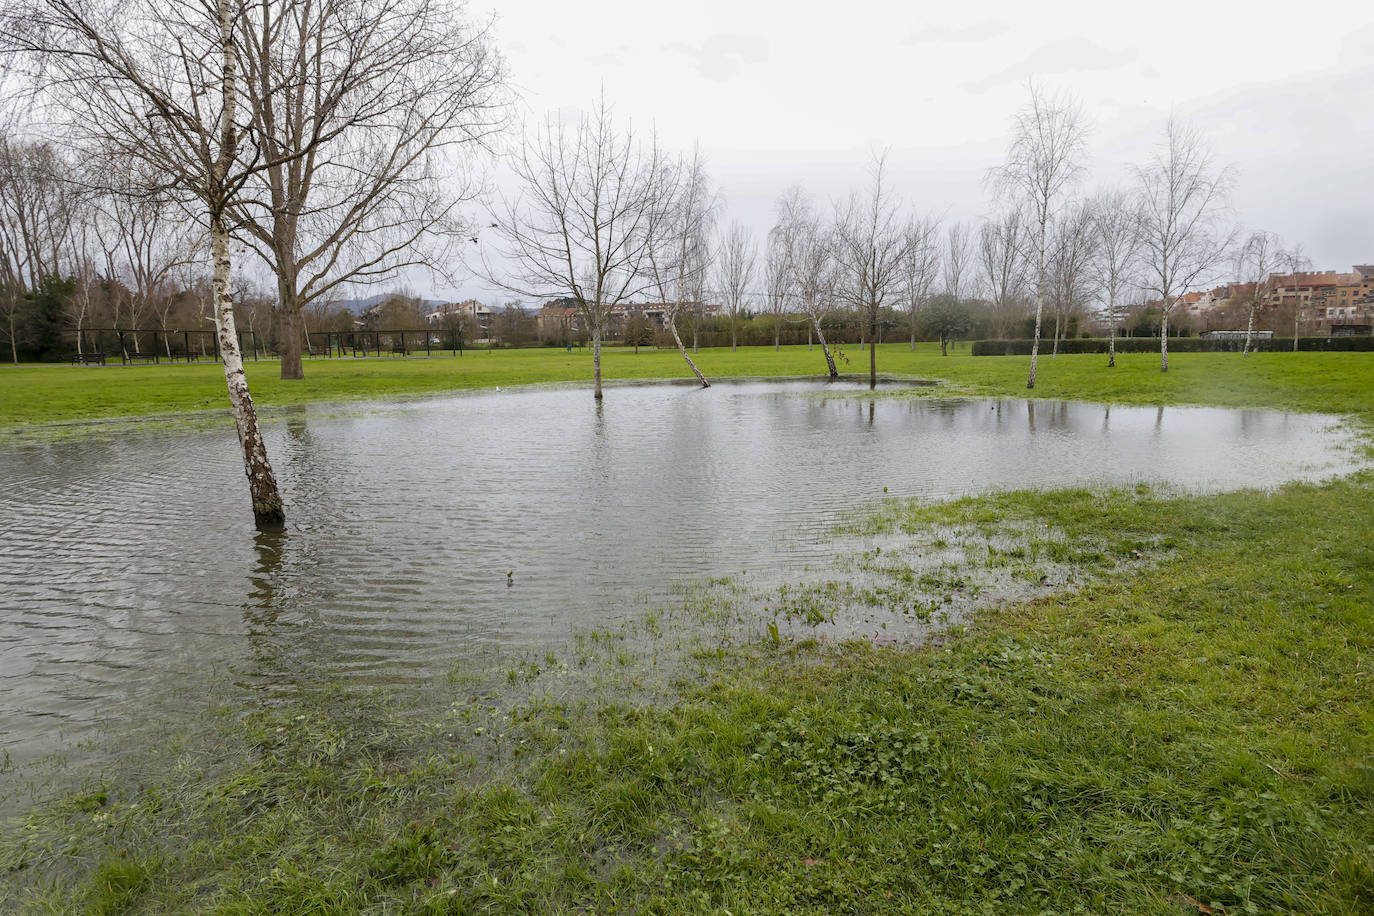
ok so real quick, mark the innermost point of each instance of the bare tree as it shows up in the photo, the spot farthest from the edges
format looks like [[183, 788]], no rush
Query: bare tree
[[809, 254], [37, 216], [359, 108], [679, 249], [1257, 262], [1073, 248], [957, 264], [1116, 265], [143, 243], [158, 85], [920, 268], [1043, 162], [1001, 255], [776, 281], [735, 272], [872, 244], [1295, 261], [582, 223], [1182, 197]]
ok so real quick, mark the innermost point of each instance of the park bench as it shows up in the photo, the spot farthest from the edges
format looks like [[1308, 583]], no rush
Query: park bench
[[88, 359]]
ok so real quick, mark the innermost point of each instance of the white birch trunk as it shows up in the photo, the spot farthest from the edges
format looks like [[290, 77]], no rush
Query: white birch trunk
[[262, 483], [825, 348], [1164, 341], [677, 339], [1111, 336], [1039, 305]]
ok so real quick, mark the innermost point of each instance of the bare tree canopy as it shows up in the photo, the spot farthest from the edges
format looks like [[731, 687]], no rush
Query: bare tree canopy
[[956, 264], [1182, 198], [1044, 161], [581, 226], [1002, 257], [363, 111]]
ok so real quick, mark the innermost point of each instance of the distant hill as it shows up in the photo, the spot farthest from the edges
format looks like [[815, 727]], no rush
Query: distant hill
[[358, 306]]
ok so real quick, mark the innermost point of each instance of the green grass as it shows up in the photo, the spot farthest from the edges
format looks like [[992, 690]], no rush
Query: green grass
[[1304, 381], [1189, 731]]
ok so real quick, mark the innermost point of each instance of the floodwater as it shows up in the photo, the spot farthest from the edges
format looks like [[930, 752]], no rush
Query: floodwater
[[430, 530]]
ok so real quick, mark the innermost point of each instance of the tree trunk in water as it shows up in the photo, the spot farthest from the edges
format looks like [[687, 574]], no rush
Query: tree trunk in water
[[1164, 342], [825, 348], [677, 339], [596, 361], [262, 483], [873, 350]]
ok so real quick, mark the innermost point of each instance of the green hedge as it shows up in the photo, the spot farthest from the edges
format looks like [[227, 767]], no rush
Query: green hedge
[[1176, 345]]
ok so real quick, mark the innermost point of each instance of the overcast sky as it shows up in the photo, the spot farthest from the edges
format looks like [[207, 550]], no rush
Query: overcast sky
[[777, 93]]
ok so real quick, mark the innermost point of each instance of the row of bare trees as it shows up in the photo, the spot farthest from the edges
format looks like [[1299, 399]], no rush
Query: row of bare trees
[[1166, 234], [612, 217]]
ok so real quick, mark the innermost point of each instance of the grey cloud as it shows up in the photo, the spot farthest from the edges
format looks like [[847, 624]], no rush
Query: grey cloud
[[1067, 55], [721, 57], [949, 34]]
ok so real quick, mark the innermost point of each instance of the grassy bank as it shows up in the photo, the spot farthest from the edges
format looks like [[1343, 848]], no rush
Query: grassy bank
[[1306, 381], [1194, 735], [1189, 731]]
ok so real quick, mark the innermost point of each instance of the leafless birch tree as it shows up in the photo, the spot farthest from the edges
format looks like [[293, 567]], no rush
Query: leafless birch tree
[[1116, 264], [679, 248], [1182, 198], [1257, 263], [809, 253], [1043, 162], [159, 85], [735, 273], [1295, 261], [581, 224]]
